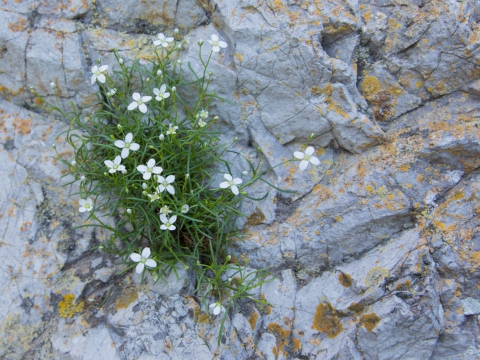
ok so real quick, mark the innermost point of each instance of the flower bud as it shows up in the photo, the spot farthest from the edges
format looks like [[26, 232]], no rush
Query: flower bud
[[161, 137], [53, 85], [235, 139], [82, 178], [215, 118], [210, 73], [259, 149], [174, 88], [54, 146], [144, 193], [159, 72], [144, 185], [119, 127], [228, 257], [179, 62], [245, 172], [124, 171], [73, 163], [99, 61], [120, 61], [200, 42], [148, 80], [175, 31], [105, 173], [101, 247], [129, 211], [187, 176], [243, 193], [312, 135]]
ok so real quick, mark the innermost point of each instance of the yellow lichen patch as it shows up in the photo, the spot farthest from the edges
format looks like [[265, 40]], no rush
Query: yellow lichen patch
[[199, 317], [67, 308], [369, 321], [239, 57], [405, 286], [375, 276], [129, 295], [20, 25], [457, 195], [252, 320], [283, 338], [345, 279], [404, 167], [326, 320], [369, 188], [370, 86], [256, 218], [18, 338], [297, 345], [355, 307], [418, 84]]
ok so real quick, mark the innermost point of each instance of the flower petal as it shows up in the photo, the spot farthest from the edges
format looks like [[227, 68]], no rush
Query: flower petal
[[118, 160], [216, 310], [146, 98], [303, 165], [156, 91], [299, 155], [163, 218], [157, 170], [120, 144], [314, 160], [139, 268], [134, 146], [129, 138], [93, 79], [132, 105], [147, 175], [228, 177], [172, 227], [170, 178], [151, 163], [172, 219], [94, 68], [234, 189], [109, 163], [135, 257], [146, 253], [103, 68], [170, 189], [124, 153], [101, 78], [222, 44], [214, 37], [143, 108], [224, 185], [237, 181], [142, 168], [136, 96], [163, 88], [310, 150], [151, 263]]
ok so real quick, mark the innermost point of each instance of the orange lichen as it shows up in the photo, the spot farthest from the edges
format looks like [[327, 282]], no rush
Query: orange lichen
[[326, 320], [67, 308], [345, 279], [370, 86], [129, 295], [252, 320], [369, 321], [375, 276], [355, 307], [282, 335]]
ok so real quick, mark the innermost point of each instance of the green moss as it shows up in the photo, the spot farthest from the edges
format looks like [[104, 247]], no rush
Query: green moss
[[256, 218], [326, 320]]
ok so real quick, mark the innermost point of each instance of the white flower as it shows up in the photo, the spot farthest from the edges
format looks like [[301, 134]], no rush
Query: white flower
[[171, 129], [216, 308], [167, 223], [114, 165], [144, 186], [159, 72], [306, 157], [161, 94], [120, 61], [164, 184], [82, 178], [231, 183], [149, 169], [143, 260], [185, 209], [153, 197], [162, 40], [217, 44], [73, 163], [97, 74], [165, 210], [127, 145], [202, 123], [161, 137], [111, 92], [129, 211], [203, 114], [140, 102], [53, 85], [85, 205]]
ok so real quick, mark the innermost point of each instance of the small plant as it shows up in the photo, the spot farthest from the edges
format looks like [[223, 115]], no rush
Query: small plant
[[150, 159]]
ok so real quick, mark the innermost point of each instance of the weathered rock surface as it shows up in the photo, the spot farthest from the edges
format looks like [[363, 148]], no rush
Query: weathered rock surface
[[376, 255]]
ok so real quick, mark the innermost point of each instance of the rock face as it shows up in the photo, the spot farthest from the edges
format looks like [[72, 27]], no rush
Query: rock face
[[376, 255]]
